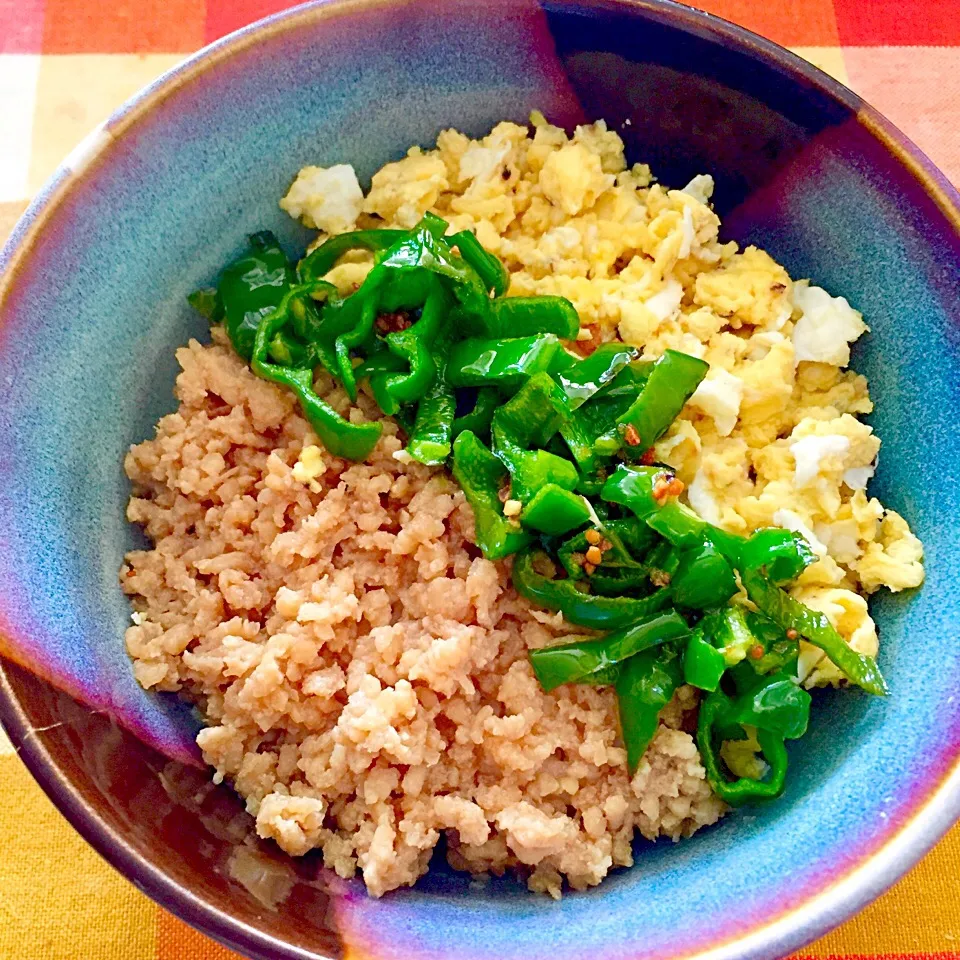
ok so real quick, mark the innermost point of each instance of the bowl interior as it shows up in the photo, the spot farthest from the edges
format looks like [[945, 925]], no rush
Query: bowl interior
[[91, 318]]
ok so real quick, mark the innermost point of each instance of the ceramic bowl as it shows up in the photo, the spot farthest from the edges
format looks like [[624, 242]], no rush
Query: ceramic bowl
[[93, 287]]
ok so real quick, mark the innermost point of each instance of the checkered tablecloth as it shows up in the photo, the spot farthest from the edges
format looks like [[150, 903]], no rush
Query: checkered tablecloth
[[66, 64]]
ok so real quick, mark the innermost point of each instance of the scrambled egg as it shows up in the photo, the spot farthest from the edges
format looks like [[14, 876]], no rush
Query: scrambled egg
[[771, 436], [309, 467]]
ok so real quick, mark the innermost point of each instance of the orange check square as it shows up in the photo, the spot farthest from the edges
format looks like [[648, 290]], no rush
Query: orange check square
[[918, 89], [124, 26], [793, 23], [225, 16]]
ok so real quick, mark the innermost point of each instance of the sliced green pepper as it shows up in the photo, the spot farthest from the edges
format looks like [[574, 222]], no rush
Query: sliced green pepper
[[530, 472], [480, 417], [555, 511], [779, 651], [617, 573], [716, 712], [491, 271], [414, 345], [703, 664], [637, 537], [646, 685], [480, 475], [528, 316], [815, 628], [597, 660], [383, 361], [729, 632], [532, 416], [703, 578], [662, 562], [207, 303], [482, 363], [252, 287], [341, 437], [288, 351], [672, 381], [782, 554], [776, 703], [578, 607], [432, 436], [583, 379], [632, 487]]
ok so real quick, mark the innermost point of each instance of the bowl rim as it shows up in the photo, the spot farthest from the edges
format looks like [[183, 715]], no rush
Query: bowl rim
[[933, 812]]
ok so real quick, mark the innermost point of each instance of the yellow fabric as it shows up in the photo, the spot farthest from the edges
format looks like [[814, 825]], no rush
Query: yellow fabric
[[60, 901]]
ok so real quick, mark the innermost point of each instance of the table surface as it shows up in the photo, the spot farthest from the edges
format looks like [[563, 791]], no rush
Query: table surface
[[64, 66]]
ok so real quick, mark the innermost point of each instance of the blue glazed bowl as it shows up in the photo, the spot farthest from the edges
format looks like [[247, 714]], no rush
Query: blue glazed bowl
[[92, 306]]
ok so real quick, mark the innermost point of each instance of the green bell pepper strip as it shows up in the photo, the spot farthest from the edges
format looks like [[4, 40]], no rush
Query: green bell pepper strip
[[528, 420], [716, 711], [779, 651], [287, 351], [703, 664], [730, 633], [677, 523], [636, 536], [341, 437], [378, 387], [480, 417], [632, 487], [563, 361], [662, 562], [617, 573], [646, 685], [432, 436], [578, 607], [402, 279], [672, 381], [626, 385], [528, 316], [531, 471], [532, 416], [781, 554], [586, 377], [207, 303], [390, 286], [534, 413], [414, 345], [703, 578], [776, 703], [815, 628], [555, 511], [406, 417], [580, 445], [252, 287], [589, 433], [488, 267], [383, 361], [597, 660], [322, 260], [506, 363], [426, 248], [480, 475], [348, 323]]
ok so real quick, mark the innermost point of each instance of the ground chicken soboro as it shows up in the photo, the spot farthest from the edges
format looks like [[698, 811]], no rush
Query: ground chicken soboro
[[362, 669]]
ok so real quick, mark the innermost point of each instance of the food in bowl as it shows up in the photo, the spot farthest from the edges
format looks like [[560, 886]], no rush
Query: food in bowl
[[521, 510]]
